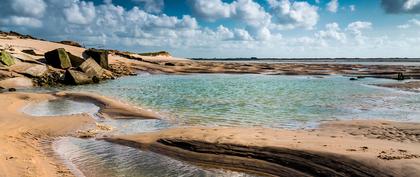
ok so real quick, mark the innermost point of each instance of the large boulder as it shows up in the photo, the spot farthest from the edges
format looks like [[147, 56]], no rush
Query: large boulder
[[73, 77], [58, 58], [6, 58], [75, 60], [92, 69], [100, 56]]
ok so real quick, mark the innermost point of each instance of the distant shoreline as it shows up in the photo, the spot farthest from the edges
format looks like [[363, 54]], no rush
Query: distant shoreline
[[313, 59]]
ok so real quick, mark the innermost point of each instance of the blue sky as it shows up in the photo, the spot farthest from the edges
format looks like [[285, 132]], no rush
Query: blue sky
[[226, 28]]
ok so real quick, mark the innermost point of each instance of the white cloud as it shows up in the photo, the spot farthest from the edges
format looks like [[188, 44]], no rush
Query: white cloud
[[247, 11], [28, 8], [332, 6], [152, 6], [290, 15], [356, 29], [332, 32], [80, 13], [410, 23]]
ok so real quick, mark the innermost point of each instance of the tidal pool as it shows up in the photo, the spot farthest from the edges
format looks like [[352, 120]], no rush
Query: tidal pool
[[219, 100]]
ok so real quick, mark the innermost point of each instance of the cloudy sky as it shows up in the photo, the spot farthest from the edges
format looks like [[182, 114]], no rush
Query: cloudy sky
[[226, 28]]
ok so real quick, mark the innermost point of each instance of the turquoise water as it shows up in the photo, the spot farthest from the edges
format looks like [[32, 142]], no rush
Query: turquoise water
[[261, 100], [213, 100]]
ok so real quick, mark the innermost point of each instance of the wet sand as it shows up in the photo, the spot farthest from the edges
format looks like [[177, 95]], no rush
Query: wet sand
[[24, 138], [343, 148], [413, 86]]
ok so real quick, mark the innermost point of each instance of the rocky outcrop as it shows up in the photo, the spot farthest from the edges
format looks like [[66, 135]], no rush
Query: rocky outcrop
[[100, 56], [75, 60], [58, 58], [30, 69], [92, 69], [73, 77], [6, 58]]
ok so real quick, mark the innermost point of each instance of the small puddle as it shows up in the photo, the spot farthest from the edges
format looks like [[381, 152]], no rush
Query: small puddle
[[60, 107]]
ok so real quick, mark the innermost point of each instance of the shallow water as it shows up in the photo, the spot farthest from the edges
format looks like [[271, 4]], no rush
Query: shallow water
[[212, 100], [261, 100]]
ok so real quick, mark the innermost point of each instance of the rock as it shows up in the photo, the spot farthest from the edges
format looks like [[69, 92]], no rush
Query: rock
[[58, 58], [17, 82], [169, 64], [100, 56], [71, 43], [52, 78], [353, 79], [400, 76], [75, 60], [30, 69], [73, 77], [6, 58], [92, 69], [31, 52], [12, 90]]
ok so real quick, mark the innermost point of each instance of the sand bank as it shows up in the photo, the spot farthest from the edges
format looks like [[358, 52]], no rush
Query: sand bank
[[413, 86], [345, 148], [110, 108]]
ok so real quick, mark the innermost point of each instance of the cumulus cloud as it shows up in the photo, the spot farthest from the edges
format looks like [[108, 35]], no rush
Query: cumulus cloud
[[410, 23], [81, 13], [152, 6], [247, 11], [290, 15], [332, 32], [332, 6], [401, 6], [356, 28]]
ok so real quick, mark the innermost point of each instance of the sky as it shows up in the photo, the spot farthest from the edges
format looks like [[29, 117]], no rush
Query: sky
[[226, 28]]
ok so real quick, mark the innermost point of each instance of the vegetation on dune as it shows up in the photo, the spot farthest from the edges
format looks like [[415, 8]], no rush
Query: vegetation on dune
[[160, 53]]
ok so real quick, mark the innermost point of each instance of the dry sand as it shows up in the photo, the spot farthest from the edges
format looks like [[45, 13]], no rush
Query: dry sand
[[344, 148]]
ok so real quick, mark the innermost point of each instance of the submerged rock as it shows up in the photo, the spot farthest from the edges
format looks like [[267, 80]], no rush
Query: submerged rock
[[58, 58], [100, 56], [73, 77], [92, 69], [6, 58]]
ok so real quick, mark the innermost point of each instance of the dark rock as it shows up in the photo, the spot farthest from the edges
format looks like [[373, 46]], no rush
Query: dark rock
[[353, 79], [52, 78], [58, 58], [71, 43], [169, 64], [92, 69], [75, 60], [400, 76], [100, 56], [73, 77], [31, 52], [6, 58], [12, 90]]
